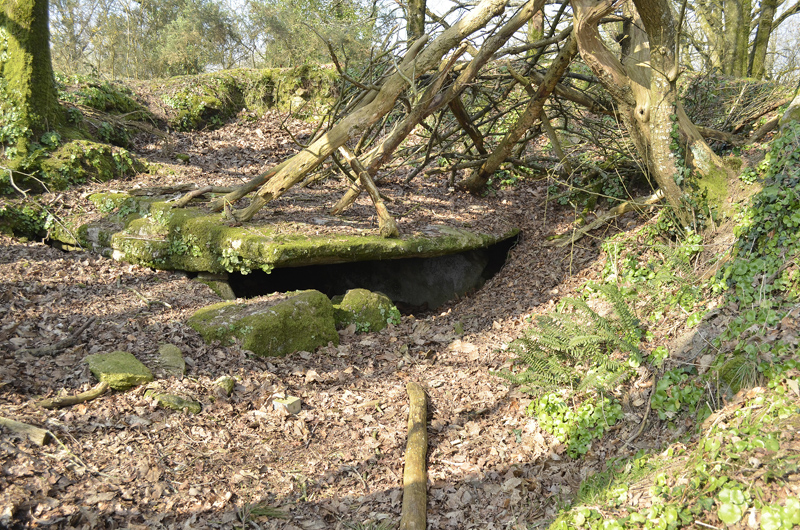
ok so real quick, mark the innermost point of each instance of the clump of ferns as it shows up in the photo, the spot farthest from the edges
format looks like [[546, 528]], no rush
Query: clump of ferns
[[578, 348]]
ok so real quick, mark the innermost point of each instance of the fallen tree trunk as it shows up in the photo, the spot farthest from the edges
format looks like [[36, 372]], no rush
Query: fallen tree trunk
[[415, 476], [416, 62]]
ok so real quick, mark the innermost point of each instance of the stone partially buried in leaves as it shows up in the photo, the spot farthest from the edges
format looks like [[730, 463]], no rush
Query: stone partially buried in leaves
[[270, 326], [175, 402], [367, 310], [171, 360], [120, 369]]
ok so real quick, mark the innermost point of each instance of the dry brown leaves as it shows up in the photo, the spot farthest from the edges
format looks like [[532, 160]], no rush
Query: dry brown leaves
[[124, 462]]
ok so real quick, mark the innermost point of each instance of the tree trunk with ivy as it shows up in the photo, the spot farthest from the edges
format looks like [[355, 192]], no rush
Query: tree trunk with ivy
[[643, 84], [27, 84]]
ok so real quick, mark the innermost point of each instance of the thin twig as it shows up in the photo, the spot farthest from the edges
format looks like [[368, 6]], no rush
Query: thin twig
[[60, 345]]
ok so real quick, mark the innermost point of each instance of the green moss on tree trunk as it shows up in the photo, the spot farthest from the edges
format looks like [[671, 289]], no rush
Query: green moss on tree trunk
[[27, 71]]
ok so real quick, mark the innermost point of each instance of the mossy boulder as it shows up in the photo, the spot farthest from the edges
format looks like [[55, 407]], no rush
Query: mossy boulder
[[120, 369], [367, 310], [270, 326], [78, 161]]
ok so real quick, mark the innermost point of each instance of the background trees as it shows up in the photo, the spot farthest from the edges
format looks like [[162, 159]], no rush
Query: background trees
[[148, 38]]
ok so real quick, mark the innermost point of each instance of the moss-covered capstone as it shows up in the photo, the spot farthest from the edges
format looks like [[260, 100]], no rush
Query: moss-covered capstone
[[120, 369], [270, 326], [367, 310], [148, 232]]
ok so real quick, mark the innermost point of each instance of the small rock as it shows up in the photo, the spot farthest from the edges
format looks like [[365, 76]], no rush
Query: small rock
[[290, 404], [120, 369], [365, 310], [174, 402], [171, 360], [217, 283], [270, 326], [226, 383]]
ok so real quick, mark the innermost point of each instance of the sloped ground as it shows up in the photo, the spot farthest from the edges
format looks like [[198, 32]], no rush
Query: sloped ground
[[121, 462]]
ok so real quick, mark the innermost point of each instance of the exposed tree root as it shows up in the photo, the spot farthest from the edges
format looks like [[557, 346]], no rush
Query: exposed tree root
[[67, 401]]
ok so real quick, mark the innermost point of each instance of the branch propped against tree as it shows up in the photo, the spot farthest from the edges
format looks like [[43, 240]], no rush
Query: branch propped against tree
[[477, 181], [418, 60], [613, 213], [430, 104]]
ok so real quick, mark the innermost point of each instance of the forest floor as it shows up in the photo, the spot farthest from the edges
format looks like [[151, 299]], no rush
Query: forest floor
[[122, 462]]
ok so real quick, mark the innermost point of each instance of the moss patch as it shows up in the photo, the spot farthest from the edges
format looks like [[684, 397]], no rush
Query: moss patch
[[367, 310], [208, 100], [80, 160], [271, 326], [120, 369]]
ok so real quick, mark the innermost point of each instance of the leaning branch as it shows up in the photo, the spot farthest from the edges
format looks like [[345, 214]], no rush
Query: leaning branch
[[613, 213], [387, 227], [416, 62]]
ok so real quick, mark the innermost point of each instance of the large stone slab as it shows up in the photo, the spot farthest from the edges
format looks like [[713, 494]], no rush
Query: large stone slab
[[120, 369], [147, 231], [271, 326]]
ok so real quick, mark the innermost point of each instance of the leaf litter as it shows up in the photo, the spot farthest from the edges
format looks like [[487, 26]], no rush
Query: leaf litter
[[123, 462]]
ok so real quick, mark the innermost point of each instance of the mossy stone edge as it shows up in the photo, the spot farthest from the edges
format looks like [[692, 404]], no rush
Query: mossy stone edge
[[148, 232]]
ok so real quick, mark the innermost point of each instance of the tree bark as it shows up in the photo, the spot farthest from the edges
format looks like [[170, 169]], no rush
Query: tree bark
[[415, 20], [415, 476], [652, 117], [758, 55], [27, 67], [354, 124]]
